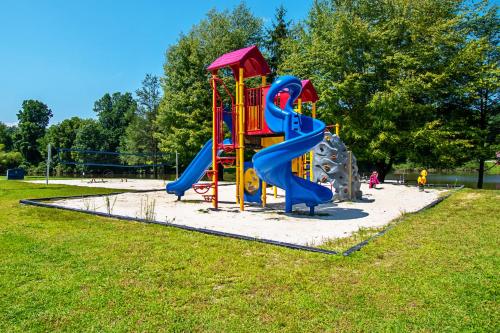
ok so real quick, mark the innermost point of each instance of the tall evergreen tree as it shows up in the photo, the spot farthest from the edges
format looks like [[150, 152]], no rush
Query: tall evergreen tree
[[140, 134], [275, 36]]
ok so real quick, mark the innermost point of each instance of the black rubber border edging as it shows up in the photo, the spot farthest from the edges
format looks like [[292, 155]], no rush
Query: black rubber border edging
[[359, 246], [37, 202]]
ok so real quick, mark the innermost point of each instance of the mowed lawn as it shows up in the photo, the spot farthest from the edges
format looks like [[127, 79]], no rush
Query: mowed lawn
[[64, 271]]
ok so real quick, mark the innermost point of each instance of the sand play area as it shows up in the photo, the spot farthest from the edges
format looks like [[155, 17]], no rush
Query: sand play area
[[117, 183], [332, 220]]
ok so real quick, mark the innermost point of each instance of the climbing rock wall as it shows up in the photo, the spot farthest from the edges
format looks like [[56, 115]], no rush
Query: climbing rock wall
[[331, 165]]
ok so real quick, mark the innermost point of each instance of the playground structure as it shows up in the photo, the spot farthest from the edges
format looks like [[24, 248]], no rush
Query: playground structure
[[335, 164], [267, 119]]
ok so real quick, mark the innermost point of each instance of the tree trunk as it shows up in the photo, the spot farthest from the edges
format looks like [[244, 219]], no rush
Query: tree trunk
[[155, 162], [480, 175], [155, 152], [482, 126], [383, 169]]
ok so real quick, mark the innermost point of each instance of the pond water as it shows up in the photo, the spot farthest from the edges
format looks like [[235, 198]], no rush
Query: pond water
[[491, 182]]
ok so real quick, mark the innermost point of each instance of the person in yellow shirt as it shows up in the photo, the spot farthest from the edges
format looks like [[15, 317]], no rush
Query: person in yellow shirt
[[422, 180]]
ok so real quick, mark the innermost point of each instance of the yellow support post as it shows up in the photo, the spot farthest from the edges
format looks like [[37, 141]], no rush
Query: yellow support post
[[337, 129], [311, 153], [241, 133], [300, 160], [264, 194], [264, 185], [275, 189]]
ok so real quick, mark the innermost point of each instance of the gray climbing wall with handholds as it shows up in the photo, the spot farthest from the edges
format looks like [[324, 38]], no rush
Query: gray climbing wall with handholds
[[331, 165]]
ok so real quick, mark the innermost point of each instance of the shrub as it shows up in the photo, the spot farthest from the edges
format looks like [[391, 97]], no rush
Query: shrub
[[9, 160]]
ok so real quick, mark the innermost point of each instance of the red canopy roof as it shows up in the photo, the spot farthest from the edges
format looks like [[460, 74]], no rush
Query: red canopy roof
[[248, 58], [308, 93]]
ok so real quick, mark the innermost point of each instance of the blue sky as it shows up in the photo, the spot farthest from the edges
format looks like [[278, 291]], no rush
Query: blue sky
[[69, 53]]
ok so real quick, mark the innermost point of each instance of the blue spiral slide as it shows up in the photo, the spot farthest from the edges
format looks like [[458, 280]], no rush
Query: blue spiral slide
[[302, 133]]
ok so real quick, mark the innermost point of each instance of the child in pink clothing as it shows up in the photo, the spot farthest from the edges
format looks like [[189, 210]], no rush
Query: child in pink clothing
[[373, 180]]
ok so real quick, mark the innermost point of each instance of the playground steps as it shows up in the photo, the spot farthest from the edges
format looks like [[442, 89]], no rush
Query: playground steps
[[208, 197], [228, 148], [202, 188], [307, 166], [227, 161], [295, 122]]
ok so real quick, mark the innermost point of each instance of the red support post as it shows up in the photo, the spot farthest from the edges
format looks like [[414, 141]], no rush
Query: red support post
[[215, 144]]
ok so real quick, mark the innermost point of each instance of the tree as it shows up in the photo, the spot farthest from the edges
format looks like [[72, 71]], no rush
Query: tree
[[149, 96], [62, 135], [275, 36], [115, 112], [7, 134], [91, 136], [383, 71], [140, 134], [480, 88], [33, 120], [467, 103], [9, 160], [184, 117]]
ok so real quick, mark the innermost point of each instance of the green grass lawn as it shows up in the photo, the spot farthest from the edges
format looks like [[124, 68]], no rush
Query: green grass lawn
[[493, 168], [64, 271]]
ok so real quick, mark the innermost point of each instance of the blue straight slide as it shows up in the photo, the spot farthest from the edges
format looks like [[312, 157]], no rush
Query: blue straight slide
[[202, 161], [195, 170], [302, 133]]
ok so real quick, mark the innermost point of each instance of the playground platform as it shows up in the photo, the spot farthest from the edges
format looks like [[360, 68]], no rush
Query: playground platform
[[332, 220]]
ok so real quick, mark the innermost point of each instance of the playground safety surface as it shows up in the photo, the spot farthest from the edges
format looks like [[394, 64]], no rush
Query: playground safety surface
[[332, 220]]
